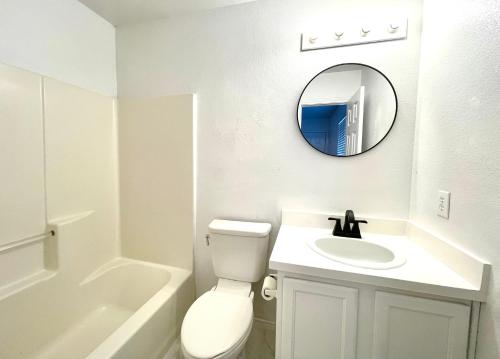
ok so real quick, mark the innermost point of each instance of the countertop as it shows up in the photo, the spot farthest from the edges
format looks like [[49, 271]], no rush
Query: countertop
[[423, 272]]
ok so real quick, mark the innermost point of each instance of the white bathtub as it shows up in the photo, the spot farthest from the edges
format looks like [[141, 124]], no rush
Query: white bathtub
[[125, 309]]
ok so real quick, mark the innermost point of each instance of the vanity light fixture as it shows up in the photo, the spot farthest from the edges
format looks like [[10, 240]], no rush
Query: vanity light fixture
[[393, 28], [355, 34], [313, 39], [365, 32]]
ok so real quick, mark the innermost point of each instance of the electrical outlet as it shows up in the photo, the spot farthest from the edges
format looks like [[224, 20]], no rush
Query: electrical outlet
[[443, 209]]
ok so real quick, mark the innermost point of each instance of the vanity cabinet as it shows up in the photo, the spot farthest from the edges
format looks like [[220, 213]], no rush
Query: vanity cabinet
[[415, 328], [319, 320]]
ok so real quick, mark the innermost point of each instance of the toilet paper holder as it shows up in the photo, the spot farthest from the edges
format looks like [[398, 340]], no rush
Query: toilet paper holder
[[269, 287]]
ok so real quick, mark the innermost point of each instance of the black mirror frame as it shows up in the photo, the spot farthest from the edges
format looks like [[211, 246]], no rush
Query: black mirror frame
[[375, 145]]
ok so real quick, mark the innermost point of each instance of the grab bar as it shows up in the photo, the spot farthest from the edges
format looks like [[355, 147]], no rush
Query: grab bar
[[25, 241]]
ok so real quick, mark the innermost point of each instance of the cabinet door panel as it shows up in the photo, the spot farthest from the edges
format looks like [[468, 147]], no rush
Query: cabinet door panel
[[416, 328], [319, 320]]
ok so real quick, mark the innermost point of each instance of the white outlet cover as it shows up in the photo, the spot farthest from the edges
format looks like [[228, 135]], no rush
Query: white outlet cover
[[443, 205]]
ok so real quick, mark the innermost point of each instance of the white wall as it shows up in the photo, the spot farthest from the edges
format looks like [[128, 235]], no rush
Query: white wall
[[61, 39], [244, 64], [379, 109], [156, 179], [328, 87], [458, 138]]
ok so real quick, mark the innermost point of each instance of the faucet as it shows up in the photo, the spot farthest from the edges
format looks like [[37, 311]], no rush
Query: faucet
[[348, 230]]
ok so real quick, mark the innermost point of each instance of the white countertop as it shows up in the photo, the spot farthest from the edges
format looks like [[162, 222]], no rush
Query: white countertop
[[423, 272]]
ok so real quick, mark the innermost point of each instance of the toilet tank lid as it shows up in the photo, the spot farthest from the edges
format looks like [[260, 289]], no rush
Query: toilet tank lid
[[239, 228]]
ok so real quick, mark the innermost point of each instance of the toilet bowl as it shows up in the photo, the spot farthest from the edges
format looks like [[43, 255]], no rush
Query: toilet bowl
[[219, 322]]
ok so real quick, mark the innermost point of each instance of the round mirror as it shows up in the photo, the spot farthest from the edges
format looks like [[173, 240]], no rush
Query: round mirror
[[347, 109]]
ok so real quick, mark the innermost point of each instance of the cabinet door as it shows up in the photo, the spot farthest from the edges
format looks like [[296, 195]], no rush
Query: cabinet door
[[416, 328], [318, 320]]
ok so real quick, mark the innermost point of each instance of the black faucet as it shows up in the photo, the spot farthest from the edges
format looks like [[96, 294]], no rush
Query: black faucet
[[347, 231]]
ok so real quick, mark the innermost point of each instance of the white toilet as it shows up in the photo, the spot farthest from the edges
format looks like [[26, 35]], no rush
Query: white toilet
[[218, 323]]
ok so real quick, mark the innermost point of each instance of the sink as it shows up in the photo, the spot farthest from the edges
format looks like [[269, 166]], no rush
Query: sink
[[357, 252]]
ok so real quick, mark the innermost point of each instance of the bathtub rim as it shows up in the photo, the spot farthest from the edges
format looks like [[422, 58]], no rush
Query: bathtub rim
[[119, 337]]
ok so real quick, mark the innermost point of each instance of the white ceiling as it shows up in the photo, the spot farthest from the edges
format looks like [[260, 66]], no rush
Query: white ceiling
[[119, 12]]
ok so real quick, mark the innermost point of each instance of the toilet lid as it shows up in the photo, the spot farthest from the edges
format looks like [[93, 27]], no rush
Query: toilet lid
[[215, 323]]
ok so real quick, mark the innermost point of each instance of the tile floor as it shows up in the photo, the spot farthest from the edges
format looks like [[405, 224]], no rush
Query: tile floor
[[260, 344]]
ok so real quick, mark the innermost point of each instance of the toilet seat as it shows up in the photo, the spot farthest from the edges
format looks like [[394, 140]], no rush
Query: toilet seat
[[216, 323]]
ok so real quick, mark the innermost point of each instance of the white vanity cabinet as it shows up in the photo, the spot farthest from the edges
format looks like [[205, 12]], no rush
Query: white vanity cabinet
[[320, 320], [416, 328], [400, 293]]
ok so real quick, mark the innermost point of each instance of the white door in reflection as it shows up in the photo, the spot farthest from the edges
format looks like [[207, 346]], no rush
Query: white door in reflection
[[354, 130]]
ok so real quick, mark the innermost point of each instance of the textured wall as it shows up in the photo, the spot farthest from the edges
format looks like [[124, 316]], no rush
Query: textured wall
[[458, 135], [61, 39], [244, 64]]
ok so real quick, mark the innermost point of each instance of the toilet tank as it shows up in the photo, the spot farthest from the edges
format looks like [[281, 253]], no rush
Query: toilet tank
[[239, 249]]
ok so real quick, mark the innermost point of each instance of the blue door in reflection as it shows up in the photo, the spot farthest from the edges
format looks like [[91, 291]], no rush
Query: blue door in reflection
[[323, 126]]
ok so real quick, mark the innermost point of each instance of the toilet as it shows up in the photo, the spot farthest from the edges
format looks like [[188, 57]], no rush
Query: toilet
[[218, 323]]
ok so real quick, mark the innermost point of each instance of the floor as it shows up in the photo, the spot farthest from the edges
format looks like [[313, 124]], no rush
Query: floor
[[260, 344]]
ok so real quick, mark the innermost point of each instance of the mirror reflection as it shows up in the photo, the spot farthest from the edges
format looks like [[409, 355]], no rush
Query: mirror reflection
[[347, 109]]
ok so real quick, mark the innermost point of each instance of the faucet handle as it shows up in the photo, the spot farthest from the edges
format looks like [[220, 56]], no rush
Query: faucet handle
[[337, 230], [356, 233]]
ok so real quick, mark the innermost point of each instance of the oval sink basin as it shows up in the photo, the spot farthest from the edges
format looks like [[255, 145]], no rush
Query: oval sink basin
[[357, 252]]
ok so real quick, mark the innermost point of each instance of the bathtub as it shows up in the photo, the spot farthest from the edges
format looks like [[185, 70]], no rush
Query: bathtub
[[124, 309]]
